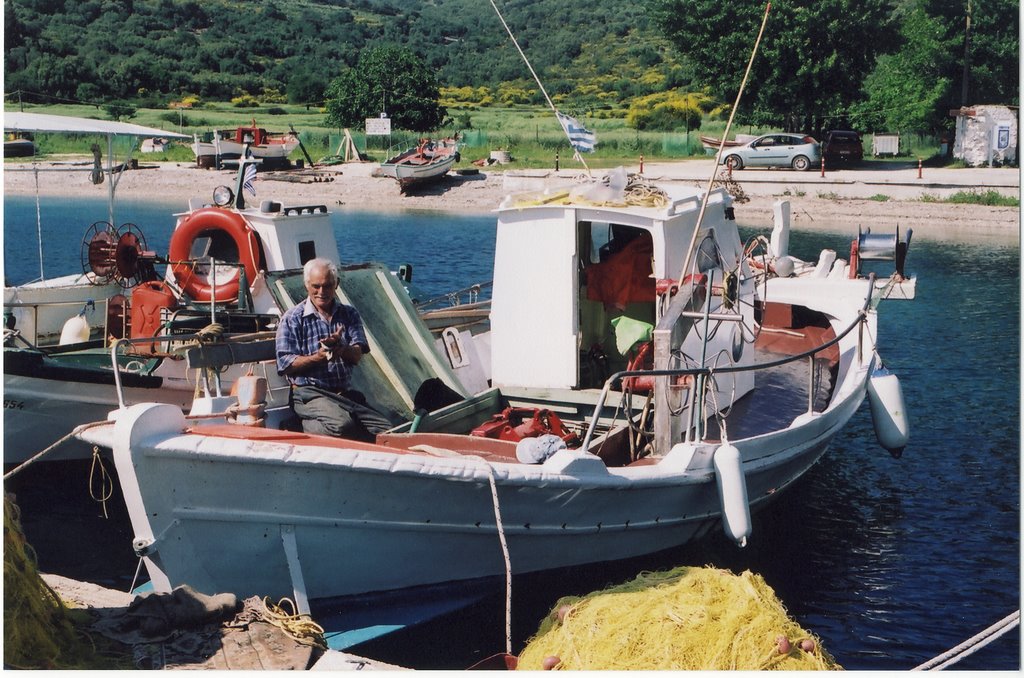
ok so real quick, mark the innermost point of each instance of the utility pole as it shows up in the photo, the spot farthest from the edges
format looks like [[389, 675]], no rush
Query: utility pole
[[967, 57]]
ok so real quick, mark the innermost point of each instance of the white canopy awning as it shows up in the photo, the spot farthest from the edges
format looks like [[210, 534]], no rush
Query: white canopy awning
[[42, 122]]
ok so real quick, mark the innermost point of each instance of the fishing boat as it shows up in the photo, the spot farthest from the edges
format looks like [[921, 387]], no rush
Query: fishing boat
[[229, 144], [711, 144], [79, 346], [647, 385], [19, 146], [425, 163]]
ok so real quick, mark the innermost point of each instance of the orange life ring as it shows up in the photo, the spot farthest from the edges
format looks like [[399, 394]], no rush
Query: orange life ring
[[179, 251]]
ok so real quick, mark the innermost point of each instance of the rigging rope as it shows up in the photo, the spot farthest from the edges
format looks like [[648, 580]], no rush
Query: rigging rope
[[718, 157], [972, 644], [19, 468], [106, 484]]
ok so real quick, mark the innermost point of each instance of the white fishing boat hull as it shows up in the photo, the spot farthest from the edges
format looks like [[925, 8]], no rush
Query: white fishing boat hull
[[422, 164], [410, 174], [227, 149], [753, 377], [325, 517]]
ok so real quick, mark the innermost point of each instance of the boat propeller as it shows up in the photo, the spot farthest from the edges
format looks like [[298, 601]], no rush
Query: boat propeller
[[117, 254]]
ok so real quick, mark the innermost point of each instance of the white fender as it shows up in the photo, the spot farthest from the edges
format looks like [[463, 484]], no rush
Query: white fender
[[888, 411], [779, 242], [732, 491], [75, 330], [825, 261]]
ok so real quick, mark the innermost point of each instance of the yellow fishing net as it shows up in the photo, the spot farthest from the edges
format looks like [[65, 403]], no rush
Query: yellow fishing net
[[688, 619], [39, 632]]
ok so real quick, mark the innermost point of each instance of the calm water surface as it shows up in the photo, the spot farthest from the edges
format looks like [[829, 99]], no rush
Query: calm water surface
[[891, 562]]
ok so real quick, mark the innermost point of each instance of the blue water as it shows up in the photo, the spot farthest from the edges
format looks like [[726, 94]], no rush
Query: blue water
[[891, 562]]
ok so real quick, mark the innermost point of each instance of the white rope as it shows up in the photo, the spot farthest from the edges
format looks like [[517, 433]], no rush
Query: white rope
[[28, 462], [972, 644], [504, 551]]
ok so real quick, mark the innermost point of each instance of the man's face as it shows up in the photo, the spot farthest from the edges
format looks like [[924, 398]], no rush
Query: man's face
[[321, 287]]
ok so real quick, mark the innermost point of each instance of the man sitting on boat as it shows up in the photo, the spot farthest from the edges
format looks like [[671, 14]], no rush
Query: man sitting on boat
[[319, 342]]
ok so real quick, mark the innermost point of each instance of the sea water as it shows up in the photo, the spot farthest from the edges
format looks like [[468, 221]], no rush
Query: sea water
[[890, 561]]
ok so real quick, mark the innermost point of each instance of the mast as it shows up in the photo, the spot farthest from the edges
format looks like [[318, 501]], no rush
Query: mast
[[575, 152]]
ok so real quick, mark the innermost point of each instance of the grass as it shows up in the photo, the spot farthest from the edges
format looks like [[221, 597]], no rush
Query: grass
[[530, 134], [879, 197], [990, 198]]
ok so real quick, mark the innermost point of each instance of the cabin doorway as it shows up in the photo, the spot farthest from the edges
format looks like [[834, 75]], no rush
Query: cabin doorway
[[616, 297]]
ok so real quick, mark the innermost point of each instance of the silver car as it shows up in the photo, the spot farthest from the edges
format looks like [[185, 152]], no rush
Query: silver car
[[775, 150]]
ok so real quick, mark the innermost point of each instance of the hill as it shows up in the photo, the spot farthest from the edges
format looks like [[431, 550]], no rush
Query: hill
[[151, 51]]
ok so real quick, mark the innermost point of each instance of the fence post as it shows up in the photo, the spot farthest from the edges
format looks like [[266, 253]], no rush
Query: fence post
[[641, 163]]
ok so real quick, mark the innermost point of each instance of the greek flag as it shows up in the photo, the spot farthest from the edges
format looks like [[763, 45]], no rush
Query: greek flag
[[249, 177], [581, 138]]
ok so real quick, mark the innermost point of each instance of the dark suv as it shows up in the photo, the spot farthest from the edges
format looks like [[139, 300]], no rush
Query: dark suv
[[842, 145]]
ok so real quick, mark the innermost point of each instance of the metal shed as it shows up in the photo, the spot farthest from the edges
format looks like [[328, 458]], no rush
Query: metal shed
[[885, 144]]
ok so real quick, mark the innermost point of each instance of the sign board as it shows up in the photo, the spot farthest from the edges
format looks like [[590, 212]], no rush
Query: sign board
[[378, 126], [1002, 137]]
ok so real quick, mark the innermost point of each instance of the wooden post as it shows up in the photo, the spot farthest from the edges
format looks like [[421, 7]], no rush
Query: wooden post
[[556, 161], [641, 163], [919, 168], [823, 164]]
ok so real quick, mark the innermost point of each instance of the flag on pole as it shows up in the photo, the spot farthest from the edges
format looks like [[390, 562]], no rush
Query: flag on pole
[[581, 138], [249, 178]]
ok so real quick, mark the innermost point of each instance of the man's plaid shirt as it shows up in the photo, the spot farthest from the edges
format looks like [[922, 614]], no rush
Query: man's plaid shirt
[[300, 332]]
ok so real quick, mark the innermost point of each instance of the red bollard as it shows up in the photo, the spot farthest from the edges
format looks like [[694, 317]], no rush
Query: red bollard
[[919, 168], [641, 164], [822, 165]]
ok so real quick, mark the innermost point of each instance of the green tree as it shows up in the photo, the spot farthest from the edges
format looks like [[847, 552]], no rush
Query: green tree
[[386, 79], [991, 52], [812, 59], [910, 89]]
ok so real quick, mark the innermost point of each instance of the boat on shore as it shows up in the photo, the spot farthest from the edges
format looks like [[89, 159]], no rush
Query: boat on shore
[[427, 162], [647, 385], [19, 146], [213, 148], [711, 144]]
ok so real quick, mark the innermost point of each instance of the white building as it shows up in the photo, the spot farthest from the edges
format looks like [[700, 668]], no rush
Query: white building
[[986, 135]]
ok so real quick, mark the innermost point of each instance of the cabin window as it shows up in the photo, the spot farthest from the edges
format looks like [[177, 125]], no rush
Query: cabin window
[[307, 251], [200, 248]]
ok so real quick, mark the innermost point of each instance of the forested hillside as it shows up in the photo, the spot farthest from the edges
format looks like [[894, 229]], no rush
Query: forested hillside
[[98, 50], [882, 64]]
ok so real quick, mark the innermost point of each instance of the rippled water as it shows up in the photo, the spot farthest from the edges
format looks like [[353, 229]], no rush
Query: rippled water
[[891, 562]]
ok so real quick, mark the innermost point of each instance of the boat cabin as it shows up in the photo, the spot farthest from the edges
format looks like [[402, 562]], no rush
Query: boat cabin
[[575, 280]]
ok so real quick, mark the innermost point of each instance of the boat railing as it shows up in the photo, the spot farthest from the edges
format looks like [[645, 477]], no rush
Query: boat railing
[[703, 374], [183, 343], [454, 298]]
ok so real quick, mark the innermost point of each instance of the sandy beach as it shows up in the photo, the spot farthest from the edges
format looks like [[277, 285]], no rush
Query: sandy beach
[[817, 202]]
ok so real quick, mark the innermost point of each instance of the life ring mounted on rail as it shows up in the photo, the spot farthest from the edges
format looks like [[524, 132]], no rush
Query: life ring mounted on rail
[[208, 221]]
